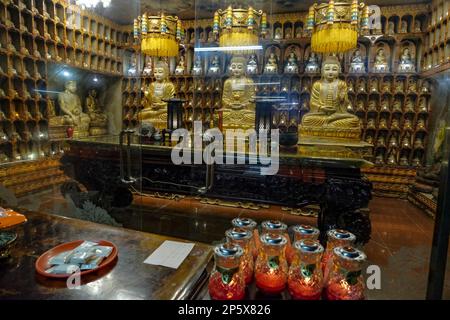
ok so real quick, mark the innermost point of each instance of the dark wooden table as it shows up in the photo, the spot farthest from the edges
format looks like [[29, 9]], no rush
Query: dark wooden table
[[127, 278]]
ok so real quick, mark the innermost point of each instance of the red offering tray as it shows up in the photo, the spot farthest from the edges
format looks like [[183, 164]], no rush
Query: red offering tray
[[42, 262]]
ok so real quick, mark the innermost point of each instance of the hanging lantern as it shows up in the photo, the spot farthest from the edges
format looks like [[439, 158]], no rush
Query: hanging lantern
[[159, 35], [335, 26], [239, 27]]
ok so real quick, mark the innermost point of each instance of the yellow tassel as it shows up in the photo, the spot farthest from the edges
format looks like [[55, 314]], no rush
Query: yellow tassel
[[334, 38], [159, 46]]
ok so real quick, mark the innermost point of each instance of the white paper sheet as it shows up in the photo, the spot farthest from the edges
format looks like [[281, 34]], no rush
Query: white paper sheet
[[170, 254]]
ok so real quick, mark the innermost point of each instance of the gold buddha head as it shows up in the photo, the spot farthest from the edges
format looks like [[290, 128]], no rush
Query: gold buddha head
[[237, 66], [71, 86], [161, 71], [331, 68]]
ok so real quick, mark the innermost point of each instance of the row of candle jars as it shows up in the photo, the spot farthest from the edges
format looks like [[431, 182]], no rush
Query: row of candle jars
[[304, 267]]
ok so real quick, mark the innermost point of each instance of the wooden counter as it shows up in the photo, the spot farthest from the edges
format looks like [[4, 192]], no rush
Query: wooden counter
[[128, 278]]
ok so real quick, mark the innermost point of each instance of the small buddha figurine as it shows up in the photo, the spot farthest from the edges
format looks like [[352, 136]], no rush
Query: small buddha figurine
[[197, 70], [421, 124], [350, 85], [404, 27], [360, 105], [361, 85], [423, 107], [406, 64], [211, 37], [386, 87], [392, 159], [383, 123], [393, 141], [384, 105], [373, 85], [417, 26], [288, 33], [380, 64], [406, 141], [390, 28], [370, 123], [372, 105], [412, 85], [291, 64], [298, 32], [70, 105], [214, 68], [418, 143], [328, 104], [238, 98], [179, 70], [99, 120], [272, 64], [147, 72], [312, 66], [416, 161], [381, 141], [379, 159], [278, 34], [407, 125], [357, 63], [397, 106], [252, 65], [369, 139], [132, 70], [409, 105], [155, 109], [404, 160], [425, 87], [399, 86]]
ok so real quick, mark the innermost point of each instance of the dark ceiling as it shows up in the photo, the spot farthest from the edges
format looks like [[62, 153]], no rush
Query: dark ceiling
[[124, 11]]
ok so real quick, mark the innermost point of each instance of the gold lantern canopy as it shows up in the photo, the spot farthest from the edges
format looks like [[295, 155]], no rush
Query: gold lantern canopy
[[238, 27], [335, 26], [159, 35]]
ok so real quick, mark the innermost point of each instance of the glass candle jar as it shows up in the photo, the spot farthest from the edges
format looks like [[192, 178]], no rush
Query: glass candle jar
[[301, 232], [335, 238], [277, 227], [249, 224], [243, 238], [226, 281], [271, 268], [305, 279], [346, 281]]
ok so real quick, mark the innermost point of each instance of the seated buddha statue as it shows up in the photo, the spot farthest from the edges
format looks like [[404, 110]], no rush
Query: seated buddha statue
[[99, 120], [179, 70], [70, 105], [214, 68], [312, 66], [357, 63], [291, 64], [252, 65], [197, 69], [406, 64], [155, 109], [328, 106], [272, 64], [238, 98], [380, 64]]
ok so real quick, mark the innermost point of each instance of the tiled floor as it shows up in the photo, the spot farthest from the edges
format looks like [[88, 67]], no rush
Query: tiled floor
[[400, 244]]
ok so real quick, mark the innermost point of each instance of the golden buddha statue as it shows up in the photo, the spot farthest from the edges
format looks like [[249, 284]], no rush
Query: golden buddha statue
[[70, 105], [155, 109], [99, 120], [238, 99], [328, 115]]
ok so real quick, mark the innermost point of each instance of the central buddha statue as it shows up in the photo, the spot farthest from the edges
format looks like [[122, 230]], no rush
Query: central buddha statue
[[238, 99], [70, 105], [155, 109], [328, 116]]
